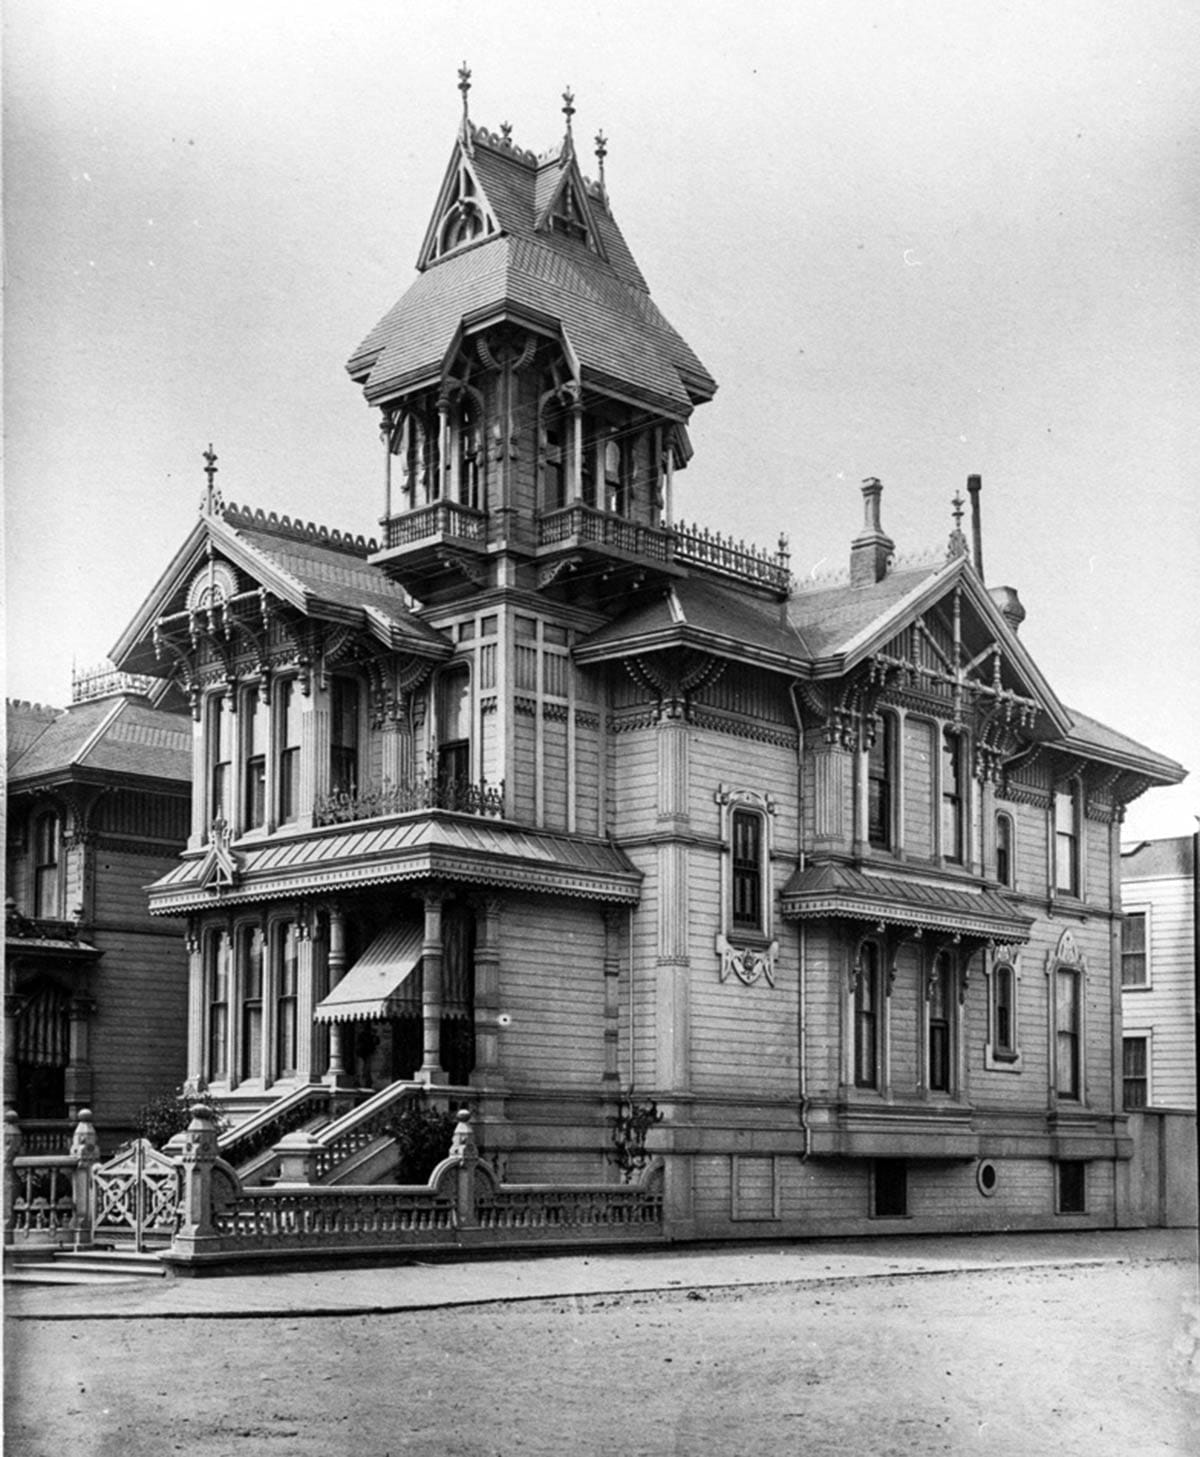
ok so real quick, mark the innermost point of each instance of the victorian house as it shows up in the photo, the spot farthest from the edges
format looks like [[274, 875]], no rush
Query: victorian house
[[96, 988], [597, 822]]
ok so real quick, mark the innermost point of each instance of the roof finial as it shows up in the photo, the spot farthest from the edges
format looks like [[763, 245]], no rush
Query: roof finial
[[506, 130], [464, 85], [568, 111], [210, 470], [601, 153], [958, 542]]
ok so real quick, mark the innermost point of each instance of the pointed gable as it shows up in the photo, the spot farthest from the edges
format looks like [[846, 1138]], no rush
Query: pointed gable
[[463, 213]]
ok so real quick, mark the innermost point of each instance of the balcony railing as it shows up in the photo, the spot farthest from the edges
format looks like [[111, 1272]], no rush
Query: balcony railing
[[442, 518], [584, 523], [374, 801], [693, 545]]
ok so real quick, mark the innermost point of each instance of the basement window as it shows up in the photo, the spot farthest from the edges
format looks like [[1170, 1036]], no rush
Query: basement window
[[889, 1188]]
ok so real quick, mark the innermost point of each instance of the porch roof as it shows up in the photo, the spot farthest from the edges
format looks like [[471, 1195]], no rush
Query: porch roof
[[823, 891], [374, 987], [429, 844]]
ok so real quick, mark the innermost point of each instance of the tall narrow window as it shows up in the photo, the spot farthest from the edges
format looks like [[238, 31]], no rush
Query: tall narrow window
[[470, 455], [1003, 1010], [1067, 1013], [1134, 967], [866, 1010], [287, 729], [454, 733], [952, 796], [747, 845], [254, 747], [1004, 849], [251, 969], [1066, 841], [616, 495], [879, 786], [47, 838], [1135, 1061], [554, 475], [1072, 1187], [343, 735], [219, 739], [219, 956], [287, 985], [940, 1003]]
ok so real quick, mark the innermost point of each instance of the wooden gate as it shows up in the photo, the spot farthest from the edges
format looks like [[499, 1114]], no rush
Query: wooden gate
[[136, 1195]]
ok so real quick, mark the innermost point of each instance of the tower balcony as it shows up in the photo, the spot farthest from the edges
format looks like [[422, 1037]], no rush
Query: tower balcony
[[428, 548], [580, 539]]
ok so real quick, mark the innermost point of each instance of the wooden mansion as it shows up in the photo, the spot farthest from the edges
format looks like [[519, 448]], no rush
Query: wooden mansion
[[803, 900]]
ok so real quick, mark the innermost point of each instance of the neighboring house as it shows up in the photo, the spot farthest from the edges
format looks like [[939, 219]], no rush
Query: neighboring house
[[1158, 973], [96, 991], [600, 823]]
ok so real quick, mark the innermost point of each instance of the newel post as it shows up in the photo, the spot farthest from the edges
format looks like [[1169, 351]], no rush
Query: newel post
[[198, 1161], [12, 1147], [465, 1152], [85, 1149]]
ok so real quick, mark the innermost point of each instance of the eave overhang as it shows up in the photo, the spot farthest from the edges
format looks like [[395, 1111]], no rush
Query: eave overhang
[[430, 845], [827, 892], [680, 636]]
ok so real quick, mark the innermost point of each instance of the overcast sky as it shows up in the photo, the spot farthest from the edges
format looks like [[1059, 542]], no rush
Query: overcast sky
[[911, 240]]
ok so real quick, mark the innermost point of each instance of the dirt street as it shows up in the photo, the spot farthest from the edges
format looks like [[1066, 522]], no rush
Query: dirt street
[[1086, 1360]]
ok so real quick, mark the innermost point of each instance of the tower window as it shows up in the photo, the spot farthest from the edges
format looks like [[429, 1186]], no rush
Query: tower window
[[747, 846], [454, 732]]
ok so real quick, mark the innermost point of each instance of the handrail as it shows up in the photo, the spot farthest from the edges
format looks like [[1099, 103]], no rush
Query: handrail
[[440, 518], [370, 802], [362, 1125], [264, 1128]]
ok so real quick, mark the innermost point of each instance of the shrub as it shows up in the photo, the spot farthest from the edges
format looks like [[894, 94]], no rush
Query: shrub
[[167, 1114], [422, 1137]]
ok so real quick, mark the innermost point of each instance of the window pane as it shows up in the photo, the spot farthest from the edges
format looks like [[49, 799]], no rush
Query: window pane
[[1133, 949], [746, 830], [1004, 850], [866, 995]]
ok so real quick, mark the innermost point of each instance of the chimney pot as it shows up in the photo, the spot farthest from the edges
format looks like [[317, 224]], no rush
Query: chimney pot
[[872, 549], [1009, 604]]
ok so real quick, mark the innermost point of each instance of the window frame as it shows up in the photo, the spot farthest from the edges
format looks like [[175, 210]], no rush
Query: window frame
[[1064, 1171], [747, 872], [220, 745], [746, 950], [866, 1015], [254, 737], [1068, 1038], [284, 1001], [251, 1002], [1007, 878], [1146, 1037], [943, 975], [1143, 912], [881, 752], [896, 1169], [953, 801], [285, 791], [1067, 791], [218, 949], [47, 872], [1000, 1056], [345, 683]]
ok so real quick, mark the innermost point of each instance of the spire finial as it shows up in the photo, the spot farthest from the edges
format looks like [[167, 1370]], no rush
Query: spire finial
[[506, 130], [210, 470], [958, 542], [601, 153], [568, 107], [464, 85]]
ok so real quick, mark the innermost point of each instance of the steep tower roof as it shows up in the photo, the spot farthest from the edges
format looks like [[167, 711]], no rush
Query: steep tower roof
[[527, 237]]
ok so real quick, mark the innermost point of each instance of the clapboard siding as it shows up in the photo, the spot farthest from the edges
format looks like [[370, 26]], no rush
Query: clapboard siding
[[1166, 1008], [552, 987]]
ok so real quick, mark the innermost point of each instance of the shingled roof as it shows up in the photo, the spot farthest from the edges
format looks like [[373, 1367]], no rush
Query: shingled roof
[[119, 735], [595, 294]]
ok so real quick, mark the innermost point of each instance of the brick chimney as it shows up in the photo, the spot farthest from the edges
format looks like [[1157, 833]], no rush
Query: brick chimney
[[871, 549]]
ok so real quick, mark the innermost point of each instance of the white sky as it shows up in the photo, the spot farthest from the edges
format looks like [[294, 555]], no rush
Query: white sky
[[912, 240]]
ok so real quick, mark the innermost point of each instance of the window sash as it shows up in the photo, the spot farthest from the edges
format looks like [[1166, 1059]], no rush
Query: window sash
[[879, 787], [866, 1027], [1067, 1064], [1135, 1072], [1134, 961], [1002, 1009], [1066, 843], [746, 834]]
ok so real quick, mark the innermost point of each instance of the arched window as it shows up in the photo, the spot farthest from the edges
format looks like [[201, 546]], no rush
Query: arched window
[[286, 981], [250, 976], [616, 478], [217, 977], [880, 783], [1005, 869], [939, 1024], [453, 733], [47, 846], [866, 1015]]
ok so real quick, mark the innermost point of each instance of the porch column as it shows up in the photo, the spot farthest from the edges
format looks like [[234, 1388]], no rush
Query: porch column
[[79, 1069], [336, 1075], [577, 449], [487, 992], [431, 966], [309, 992], [195, 1015], [12, 1005]]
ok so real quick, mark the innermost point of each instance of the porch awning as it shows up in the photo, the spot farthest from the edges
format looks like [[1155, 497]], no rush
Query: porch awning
[[823, 891], [380, 983]]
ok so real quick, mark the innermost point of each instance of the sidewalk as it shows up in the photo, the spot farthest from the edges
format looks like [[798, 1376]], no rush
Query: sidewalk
[[419, 1286]]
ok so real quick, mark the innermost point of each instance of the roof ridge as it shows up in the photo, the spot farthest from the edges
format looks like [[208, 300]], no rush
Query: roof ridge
[[94, 737], [331, 538]]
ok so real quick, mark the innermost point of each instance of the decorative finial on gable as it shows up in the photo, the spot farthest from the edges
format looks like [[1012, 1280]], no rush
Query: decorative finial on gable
[[568, 150], [958, 542], [212, 499], [464, 85], [506, 130], [601, 153]]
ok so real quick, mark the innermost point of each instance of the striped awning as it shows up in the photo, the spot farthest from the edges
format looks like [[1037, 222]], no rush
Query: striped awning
[[381, 982]]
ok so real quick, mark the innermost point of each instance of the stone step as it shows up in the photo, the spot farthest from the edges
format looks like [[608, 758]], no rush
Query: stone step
[[85, 1267]]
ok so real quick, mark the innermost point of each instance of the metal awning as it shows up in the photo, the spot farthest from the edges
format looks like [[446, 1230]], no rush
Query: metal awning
[[380, 983], [824, 891]]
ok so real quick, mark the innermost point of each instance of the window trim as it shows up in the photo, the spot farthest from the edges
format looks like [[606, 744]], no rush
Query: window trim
[[1070, 788], [339, 682], [52, 909], [885, 738], [212, 950], [1146, 1036], [1145, 910], [942, 964], [254, 767], [1002, 817], [746, 951], [996, 1056], [899, 1168], [859, 974], [952, 744], [243, 941], [285, 770], [1060, 1167], [1067, 959]]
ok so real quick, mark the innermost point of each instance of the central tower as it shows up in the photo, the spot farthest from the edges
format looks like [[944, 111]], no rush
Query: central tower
[[534, 400]]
